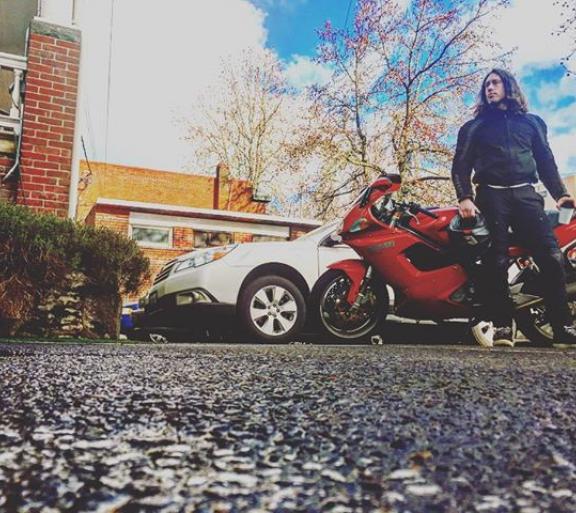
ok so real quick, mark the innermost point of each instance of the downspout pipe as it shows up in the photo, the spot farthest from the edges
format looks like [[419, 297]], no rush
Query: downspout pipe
[[16, 165], [76, 149]]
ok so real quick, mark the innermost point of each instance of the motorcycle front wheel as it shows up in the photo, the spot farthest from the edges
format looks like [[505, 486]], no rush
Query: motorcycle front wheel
[[533, 323], [338, 319]]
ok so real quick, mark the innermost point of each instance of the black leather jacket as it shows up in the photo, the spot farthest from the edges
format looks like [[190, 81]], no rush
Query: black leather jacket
[[504, 148]]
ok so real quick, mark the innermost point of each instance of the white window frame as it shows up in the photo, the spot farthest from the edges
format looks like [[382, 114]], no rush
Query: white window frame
[[156, 245], [268, 238], [208, 225]]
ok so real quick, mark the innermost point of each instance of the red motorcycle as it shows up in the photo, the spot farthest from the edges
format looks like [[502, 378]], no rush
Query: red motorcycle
[[412, 269]]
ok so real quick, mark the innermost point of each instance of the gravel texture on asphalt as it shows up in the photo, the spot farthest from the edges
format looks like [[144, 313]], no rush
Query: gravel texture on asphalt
[[230, 428]]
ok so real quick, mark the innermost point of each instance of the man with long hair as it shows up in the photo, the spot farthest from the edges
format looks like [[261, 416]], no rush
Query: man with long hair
[[507, 148]]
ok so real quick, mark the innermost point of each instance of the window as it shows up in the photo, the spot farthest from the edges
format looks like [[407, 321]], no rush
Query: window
[[15, 16], [152, 236], [268, 238], [210, 239]]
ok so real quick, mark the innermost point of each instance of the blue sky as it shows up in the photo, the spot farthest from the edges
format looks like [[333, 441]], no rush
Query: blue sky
[[155, 80], [292, 24]]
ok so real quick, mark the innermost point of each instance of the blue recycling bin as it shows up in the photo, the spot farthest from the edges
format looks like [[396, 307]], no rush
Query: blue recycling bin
[[126, 321]]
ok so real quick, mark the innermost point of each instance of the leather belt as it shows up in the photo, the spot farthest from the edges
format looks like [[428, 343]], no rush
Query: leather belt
[[508, 186]]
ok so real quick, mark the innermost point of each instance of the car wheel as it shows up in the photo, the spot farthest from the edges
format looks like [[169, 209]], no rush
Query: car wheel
[[158, 338], [272, 309]]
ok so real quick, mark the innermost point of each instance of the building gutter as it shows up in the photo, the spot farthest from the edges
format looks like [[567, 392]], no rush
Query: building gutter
[[177, 210], [75, 165]]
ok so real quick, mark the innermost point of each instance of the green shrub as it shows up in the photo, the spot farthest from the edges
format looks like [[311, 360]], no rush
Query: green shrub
[[39, 251]]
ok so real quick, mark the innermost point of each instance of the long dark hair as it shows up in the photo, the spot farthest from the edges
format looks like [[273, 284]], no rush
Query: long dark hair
[[514, 97]]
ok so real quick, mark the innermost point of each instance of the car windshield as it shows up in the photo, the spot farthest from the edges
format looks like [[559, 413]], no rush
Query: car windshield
[[319, 232]]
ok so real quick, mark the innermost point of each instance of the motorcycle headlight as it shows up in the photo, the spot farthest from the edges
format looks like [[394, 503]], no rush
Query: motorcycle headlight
[[359, 225], [203, 257]]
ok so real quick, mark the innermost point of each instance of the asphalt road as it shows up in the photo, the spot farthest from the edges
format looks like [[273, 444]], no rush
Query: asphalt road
[[246, 428]]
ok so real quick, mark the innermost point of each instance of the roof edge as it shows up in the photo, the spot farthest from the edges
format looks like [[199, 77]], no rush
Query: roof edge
[[159, 208]]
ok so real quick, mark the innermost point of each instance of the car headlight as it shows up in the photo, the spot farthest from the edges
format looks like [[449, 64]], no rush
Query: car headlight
[[203, 257]]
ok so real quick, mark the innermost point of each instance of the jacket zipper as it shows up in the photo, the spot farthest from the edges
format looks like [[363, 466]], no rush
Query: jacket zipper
[[510, 171]]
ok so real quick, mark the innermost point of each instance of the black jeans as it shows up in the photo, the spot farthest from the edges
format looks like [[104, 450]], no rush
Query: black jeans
[[522, 209]]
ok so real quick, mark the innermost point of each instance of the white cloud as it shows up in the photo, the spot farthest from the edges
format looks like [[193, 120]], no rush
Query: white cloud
[[564, 153], [303, 71], [528, 25], [163, 56], [561, 121], [549, 93]]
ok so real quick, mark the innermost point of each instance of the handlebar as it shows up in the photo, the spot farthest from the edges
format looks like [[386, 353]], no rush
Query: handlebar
[[414, 207], [395, 212]]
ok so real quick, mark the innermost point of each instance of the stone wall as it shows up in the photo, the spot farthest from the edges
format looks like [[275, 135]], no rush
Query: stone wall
[[72, 309]]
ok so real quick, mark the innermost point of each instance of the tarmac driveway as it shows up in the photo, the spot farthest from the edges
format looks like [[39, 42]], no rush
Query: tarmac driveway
[[232, 428]]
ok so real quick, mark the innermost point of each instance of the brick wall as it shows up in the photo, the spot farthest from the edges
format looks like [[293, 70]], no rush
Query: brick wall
[[242, 237], [296, 233], [183, 238], [49, 116], [114, 181], [114, 218]]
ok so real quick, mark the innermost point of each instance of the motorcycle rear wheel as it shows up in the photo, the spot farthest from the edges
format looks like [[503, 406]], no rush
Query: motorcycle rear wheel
[[533, 323], [338, 319]]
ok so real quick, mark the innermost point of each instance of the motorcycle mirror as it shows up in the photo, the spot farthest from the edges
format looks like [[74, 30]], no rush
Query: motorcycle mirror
[[385, 182], [366, 196]]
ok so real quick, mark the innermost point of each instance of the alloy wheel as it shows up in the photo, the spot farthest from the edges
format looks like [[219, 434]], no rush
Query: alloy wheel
[[273, 310]]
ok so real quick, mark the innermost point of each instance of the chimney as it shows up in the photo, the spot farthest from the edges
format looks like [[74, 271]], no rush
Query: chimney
[[221, 183]]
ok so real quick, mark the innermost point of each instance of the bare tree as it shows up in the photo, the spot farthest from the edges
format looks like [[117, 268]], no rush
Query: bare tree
[[254, 122], [401, 78], [568, 27], [244, 121]]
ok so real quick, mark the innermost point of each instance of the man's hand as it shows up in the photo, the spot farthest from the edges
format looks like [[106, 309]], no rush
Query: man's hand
[[567, 201], [467, 208]]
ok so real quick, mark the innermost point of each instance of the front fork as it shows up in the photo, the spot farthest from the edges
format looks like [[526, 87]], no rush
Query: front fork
[[356, 298], [358, 272]]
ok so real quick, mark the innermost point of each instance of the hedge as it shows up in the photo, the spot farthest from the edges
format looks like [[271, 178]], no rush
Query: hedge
[[39, 251]]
